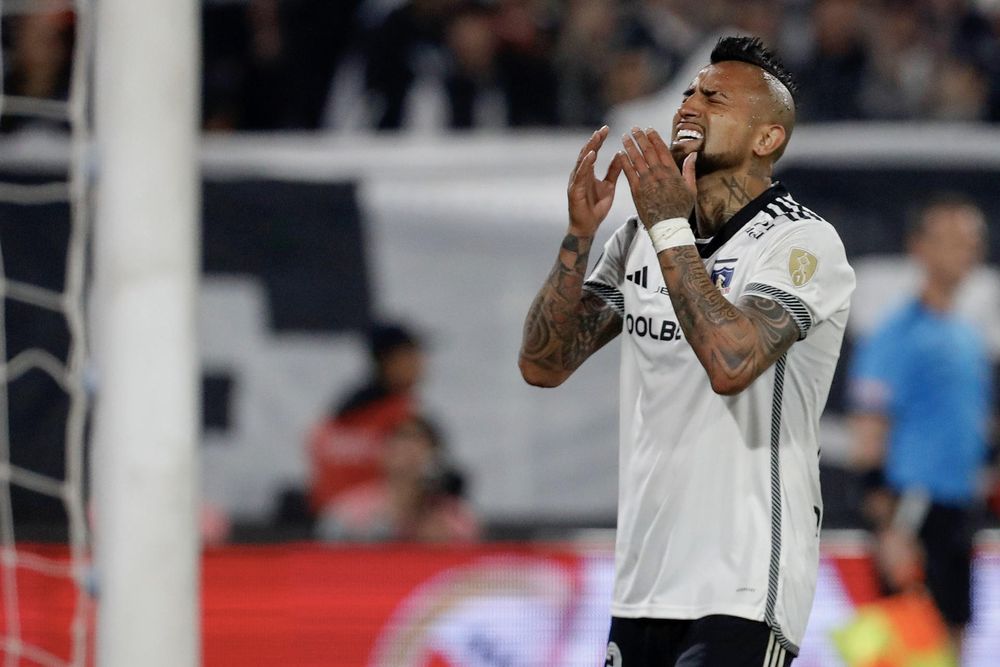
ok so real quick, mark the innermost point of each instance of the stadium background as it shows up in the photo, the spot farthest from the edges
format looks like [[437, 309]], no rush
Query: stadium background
[[315, 224]]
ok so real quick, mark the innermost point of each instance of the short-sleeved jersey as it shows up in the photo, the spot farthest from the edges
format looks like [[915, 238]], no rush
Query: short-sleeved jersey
[[719, 505], [929, 374]]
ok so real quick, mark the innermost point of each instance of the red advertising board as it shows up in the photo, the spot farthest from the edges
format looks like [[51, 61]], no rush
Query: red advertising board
[[406, 606]]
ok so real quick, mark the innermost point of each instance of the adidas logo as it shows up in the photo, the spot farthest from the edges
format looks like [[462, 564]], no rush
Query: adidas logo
[[639, 277]]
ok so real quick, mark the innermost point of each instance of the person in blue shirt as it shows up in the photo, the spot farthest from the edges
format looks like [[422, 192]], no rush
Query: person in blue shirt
[[920, 390]]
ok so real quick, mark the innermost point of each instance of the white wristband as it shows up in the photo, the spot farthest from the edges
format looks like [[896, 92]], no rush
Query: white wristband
[[671, 233]]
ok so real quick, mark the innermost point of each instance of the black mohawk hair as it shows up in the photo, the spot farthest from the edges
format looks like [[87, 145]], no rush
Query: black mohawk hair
[[747, 49]]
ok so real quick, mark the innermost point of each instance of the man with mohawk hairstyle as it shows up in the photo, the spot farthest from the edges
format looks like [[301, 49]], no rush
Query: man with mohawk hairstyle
[[732, 299]]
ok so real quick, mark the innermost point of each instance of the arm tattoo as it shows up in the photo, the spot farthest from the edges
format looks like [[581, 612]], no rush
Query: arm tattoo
[[565, 325], [734, 342]]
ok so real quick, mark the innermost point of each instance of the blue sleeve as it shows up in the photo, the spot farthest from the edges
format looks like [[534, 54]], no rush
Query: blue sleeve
[[875, 373], [985, 391]]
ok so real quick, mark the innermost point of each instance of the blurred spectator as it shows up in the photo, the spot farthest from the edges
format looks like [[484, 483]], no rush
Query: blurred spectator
[[267, 88], [346, 448], [921, 394], [611, 54], [758, 17], [672, 28], [902, 68], [653, 40], [461, 64], [447, 64], [473, 89], [526, 35], [958, 29], [631, 75], [966, 45], [37, 64], [830, 80], [319, 36], [961, 94], [406, 46], [455, 64], [419, 498], [267, 64], [582, 55]]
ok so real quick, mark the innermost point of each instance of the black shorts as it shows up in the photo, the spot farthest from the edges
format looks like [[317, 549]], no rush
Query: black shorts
[[712, 641], [946, 536]]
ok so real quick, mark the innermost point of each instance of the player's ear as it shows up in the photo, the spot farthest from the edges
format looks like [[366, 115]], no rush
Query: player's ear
[[769, 140]]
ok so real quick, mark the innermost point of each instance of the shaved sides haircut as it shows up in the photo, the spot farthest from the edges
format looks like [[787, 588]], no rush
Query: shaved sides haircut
[[752, 51]]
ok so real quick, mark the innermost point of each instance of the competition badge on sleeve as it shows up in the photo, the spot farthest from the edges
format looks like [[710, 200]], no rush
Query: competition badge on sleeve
[[801, 266]]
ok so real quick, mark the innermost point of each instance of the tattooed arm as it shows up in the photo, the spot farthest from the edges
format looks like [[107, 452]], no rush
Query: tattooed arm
[[565, 324], [734, 342]]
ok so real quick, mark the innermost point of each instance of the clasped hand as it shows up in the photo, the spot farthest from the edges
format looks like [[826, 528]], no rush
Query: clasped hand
[[659, 189]]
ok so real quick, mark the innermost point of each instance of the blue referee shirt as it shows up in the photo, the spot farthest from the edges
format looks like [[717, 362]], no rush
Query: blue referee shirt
[[929, 374]]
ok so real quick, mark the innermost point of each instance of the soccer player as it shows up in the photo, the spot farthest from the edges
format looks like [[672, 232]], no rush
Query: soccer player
[[920, 389], [731, 299]]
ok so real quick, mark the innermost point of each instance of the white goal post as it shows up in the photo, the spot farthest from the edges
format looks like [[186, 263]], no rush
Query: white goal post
[[146, 263]]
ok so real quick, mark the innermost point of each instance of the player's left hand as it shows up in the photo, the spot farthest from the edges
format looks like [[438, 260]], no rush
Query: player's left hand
[[659, 189]]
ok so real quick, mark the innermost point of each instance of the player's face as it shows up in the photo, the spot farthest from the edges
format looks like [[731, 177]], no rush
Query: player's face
[[950, 244], [719, 117]]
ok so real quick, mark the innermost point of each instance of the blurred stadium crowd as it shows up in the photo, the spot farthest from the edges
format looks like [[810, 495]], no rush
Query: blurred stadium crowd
[[537, 63], [389, 64]]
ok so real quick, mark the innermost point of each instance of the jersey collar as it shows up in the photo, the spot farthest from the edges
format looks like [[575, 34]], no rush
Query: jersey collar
[[707, 247]]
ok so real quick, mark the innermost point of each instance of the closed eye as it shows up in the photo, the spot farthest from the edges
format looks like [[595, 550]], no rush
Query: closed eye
[[710, 95], [715, 96]]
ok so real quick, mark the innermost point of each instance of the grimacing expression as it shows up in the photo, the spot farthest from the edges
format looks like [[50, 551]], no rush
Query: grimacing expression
[[725, 112]]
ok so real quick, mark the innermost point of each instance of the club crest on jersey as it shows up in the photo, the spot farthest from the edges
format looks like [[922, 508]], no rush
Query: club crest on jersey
[[722, 276], [801, 266]]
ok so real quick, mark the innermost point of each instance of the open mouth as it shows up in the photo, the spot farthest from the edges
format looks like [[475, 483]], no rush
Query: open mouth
[[688, 135]]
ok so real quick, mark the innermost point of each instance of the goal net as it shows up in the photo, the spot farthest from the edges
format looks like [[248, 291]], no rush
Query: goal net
[[44, 226], [133, 142]]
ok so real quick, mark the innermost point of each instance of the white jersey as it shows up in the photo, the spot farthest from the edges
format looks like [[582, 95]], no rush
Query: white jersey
[[719, 504]]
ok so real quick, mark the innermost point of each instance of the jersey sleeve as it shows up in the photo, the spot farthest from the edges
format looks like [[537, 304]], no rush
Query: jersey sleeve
[[804, 268], [606, 279], [874, 373]]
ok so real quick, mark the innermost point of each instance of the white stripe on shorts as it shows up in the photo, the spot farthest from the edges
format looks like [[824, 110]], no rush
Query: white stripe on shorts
[[775, 654], [767, 654]]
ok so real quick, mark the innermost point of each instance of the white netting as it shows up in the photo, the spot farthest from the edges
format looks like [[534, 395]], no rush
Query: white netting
[[26, 637]]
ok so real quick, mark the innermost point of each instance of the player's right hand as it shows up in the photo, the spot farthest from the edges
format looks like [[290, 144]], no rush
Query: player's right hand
[[590, 199]]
